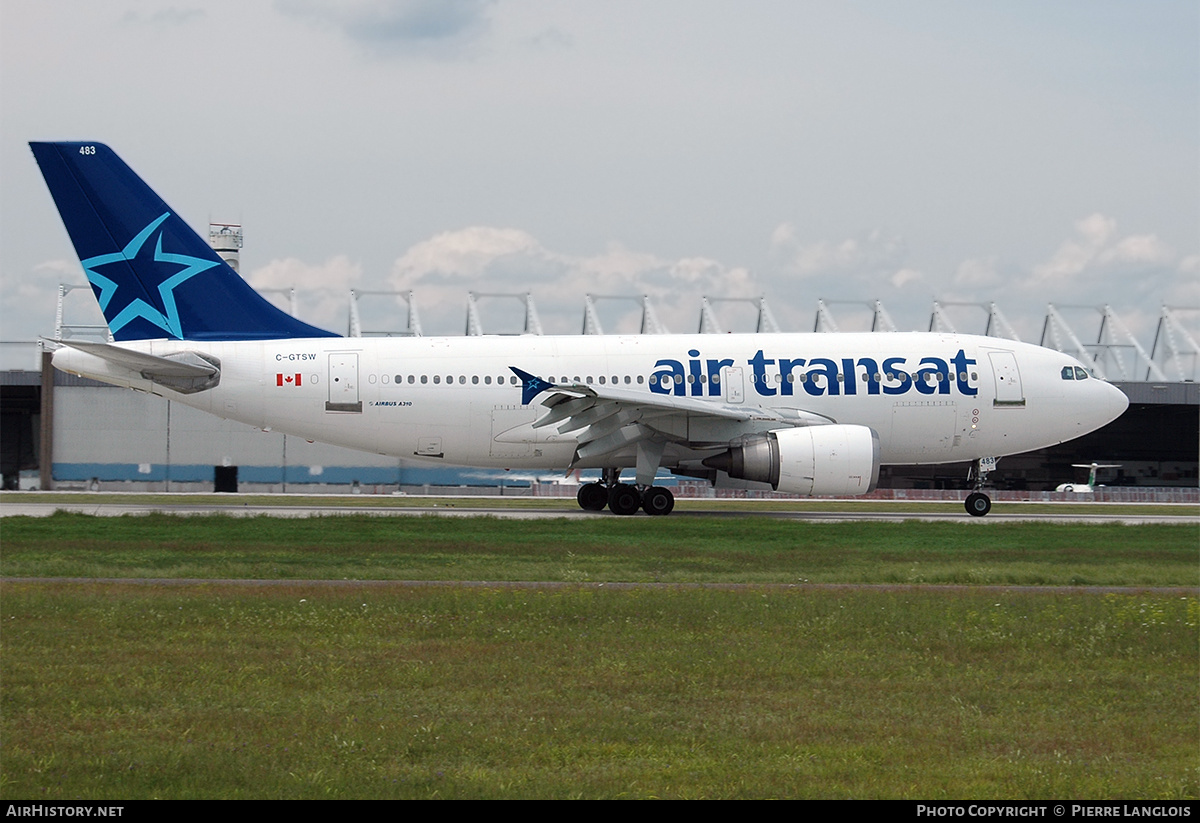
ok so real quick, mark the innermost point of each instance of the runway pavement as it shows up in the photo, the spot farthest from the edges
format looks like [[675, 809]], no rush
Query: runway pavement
[[475, 506]]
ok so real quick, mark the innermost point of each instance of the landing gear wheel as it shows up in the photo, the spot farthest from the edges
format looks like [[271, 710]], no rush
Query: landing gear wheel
[[592, 497], [657, 500], [624, 499], [978, 504]]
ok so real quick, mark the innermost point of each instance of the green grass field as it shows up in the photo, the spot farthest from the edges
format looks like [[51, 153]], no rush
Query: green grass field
[[123, 690], [706, 550]]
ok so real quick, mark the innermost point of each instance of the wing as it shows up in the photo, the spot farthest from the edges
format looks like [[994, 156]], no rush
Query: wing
[[610, 419]]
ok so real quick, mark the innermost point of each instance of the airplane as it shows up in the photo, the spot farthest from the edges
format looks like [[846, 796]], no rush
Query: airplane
[[809, 414], [1090, 486]]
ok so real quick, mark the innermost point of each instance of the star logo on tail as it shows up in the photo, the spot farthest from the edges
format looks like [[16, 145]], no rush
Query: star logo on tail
[[166, 315]]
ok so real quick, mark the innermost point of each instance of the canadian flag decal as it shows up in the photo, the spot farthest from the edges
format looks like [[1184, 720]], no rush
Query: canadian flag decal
[[287, 380]]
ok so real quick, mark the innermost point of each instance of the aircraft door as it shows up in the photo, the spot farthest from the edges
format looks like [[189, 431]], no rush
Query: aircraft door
[[343, 383], [1008, 379], [735, 388]]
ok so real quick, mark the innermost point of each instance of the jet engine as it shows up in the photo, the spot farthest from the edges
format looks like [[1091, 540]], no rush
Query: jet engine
[[811, 460]]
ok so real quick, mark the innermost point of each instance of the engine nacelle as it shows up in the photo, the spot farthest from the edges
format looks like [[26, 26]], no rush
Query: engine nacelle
[[810, 460]]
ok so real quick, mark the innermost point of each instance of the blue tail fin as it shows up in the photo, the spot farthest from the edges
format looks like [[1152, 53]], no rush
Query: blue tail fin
[[154, 277]]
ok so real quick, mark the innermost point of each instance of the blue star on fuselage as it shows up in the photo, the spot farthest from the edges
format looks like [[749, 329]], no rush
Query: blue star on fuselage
[[167, 318]]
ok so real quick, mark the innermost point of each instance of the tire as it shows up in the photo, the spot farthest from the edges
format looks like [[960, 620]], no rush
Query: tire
[[658, 501], [592, 497], [624, 499], [978, 504]]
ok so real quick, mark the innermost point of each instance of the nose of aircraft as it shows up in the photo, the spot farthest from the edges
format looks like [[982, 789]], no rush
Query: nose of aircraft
[[1110, 403]]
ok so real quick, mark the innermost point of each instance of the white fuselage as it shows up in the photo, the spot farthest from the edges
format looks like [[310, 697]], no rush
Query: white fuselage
[[931, 398]]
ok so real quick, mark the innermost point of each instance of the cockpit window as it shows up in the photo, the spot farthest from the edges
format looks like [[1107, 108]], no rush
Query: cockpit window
[[1068, 373], [1080, 374]]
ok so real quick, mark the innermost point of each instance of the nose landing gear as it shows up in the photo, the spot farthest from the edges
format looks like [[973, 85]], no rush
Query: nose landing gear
[[977, 503]]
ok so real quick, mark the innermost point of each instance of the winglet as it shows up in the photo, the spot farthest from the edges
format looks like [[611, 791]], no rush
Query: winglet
[[531, 386]]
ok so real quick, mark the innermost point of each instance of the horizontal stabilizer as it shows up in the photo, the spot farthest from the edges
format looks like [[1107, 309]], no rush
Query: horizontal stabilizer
[[186, 372]]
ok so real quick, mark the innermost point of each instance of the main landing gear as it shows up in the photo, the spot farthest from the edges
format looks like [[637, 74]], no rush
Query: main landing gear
[[977, 503], [623, 498]]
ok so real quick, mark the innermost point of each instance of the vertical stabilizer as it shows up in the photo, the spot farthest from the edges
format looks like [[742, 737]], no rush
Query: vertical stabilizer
[[153, 276]]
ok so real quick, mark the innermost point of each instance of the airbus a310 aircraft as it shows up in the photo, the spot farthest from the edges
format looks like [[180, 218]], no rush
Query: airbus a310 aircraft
[[813, 414]]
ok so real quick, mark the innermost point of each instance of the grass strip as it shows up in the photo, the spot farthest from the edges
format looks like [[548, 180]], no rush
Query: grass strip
[[119, 691], [711, 550]]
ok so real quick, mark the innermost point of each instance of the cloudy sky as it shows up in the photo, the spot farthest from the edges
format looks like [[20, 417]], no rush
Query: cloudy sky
[[1014, 151]]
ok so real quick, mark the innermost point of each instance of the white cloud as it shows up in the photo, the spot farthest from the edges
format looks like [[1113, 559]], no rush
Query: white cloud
[[1096, 245], [442, 269], [1097, 261], [464, 254], [977, 274], [1142, 248], [40, 289], [872, 266], [873, 252], [323, 289], [905, 276], [397, 26], [1183, 285]]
